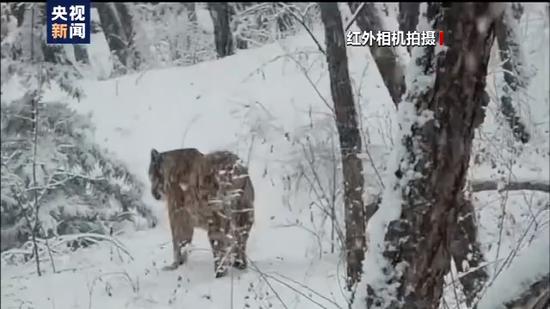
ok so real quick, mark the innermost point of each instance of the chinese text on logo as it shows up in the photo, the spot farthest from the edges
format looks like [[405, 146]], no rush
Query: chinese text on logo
[[391, 38], [68, 22]]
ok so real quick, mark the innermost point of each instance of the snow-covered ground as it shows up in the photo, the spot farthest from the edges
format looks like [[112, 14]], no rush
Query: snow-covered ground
[[245, 103], [261, 105]]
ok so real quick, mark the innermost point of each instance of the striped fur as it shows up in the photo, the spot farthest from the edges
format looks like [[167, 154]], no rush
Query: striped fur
[[210, 191]]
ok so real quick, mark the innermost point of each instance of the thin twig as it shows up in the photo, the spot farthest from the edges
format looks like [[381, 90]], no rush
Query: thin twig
[[503, 204], [300, 19], [508, 260], [354, 16], [124, 274], [453, 263], [263, 276], [187, 128], [309, 289]]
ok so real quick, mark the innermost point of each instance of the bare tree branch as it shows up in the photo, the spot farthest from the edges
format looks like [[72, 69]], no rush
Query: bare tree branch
[[542, 186], [300, 19], [354, 16]]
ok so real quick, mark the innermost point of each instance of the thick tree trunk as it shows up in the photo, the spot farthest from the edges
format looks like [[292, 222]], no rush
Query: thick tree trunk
[[514, 68], [350, 140], [433, 169], [223, 37], [385, 57], [408, 17]]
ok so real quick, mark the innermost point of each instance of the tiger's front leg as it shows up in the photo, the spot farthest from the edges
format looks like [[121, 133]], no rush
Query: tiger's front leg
[[182, 235]]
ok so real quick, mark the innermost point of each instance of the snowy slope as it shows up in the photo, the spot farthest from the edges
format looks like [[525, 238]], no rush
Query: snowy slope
[[245, 103], [260, 105]]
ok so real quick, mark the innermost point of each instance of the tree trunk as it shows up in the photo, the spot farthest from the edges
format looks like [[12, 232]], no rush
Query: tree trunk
[[436, 143], [36, 207], [350, 140], [191, 11], [466, 251], [223, 38], [81, 53], [34, 105], [514, 68], [116, 23], [385, 57], [18, 10], [408, 17]]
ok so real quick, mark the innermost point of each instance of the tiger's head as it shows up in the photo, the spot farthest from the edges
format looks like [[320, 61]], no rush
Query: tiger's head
[[156, 175]]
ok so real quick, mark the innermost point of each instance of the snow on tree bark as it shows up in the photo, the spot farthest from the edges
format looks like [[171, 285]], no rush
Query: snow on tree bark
[[223, 38], [466, 250], [385, 57], [350, 139], [446, 97], [535, 185], [514, 65]]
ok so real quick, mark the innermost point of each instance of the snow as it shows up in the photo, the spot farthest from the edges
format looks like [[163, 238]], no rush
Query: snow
[[527, 268], [204, 20]]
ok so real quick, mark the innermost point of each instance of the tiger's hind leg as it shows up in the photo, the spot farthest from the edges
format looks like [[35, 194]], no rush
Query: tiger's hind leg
[[220, 243], [244, 219]]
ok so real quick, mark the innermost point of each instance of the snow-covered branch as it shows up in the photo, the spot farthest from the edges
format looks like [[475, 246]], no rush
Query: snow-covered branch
[[300, 19], [535, 185]]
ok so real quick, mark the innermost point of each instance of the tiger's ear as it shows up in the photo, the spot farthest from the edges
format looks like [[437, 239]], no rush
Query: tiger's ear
[[155, 156]]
